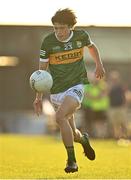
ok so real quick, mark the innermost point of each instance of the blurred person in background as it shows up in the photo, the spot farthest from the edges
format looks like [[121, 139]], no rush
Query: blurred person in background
[[117, 110], [128, 97], [87, 122], [96, 103], [86, 125], [128, 115], [62, 53]]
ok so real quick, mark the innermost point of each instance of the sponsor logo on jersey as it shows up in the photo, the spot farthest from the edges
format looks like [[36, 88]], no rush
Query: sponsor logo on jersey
[[66, 57]]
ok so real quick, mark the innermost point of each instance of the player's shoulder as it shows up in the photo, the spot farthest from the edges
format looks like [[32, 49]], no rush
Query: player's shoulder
[[81, 32], [49, 37]]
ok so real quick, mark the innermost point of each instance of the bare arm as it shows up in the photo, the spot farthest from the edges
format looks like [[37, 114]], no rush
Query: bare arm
[[42, 66], [38, 99], [100, 71]]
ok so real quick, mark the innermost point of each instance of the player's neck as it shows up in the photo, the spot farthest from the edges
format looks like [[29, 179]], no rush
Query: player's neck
[[66, 40]]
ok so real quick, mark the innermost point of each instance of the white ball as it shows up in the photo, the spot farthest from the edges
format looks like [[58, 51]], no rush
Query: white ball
[[41, 81]]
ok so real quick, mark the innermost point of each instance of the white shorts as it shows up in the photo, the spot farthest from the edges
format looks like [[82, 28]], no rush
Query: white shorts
[[76, 92]]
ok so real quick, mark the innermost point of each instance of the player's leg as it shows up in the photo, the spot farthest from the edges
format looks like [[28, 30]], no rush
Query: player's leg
[[77, 134], [83, 139], [68, 106]]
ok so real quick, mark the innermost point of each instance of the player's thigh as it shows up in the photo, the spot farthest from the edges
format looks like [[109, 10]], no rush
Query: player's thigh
[[68, 107]]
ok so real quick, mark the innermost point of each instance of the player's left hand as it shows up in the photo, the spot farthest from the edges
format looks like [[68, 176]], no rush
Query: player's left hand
[[100, 71]]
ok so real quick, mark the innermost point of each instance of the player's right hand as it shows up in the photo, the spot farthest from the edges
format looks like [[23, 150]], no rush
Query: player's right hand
[[37, 106]]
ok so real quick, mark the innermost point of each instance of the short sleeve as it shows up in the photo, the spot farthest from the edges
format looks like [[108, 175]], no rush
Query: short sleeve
[[87, 39], [44, 51]]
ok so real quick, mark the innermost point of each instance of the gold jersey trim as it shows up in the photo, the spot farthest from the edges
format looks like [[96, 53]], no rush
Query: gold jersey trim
[[66, 57]]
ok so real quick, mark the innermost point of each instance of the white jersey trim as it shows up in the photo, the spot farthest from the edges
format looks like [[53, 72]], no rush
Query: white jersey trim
[[71, 35], [44, 60], [90, 44]]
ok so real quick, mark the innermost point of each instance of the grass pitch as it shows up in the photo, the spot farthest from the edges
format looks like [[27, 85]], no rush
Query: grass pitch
[[44, 157]]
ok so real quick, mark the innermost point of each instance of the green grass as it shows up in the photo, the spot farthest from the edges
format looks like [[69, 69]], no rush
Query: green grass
[[45, 157]]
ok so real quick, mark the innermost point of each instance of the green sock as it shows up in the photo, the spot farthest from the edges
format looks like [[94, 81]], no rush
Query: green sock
[[71, 153]]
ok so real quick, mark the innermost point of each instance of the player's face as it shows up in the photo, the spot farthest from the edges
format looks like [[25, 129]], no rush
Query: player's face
[[62, 31]]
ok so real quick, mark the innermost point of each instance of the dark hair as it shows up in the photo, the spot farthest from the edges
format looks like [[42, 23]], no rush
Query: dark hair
[[65, 16]]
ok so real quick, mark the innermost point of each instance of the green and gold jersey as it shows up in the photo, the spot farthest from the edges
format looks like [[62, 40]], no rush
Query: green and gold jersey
[[66, 63]]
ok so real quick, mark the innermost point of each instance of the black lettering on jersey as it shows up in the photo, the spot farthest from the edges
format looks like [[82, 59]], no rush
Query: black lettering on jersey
[[68, 56]]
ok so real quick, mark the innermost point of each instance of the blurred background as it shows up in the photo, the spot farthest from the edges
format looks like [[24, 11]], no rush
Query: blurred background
[[106, 108]]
